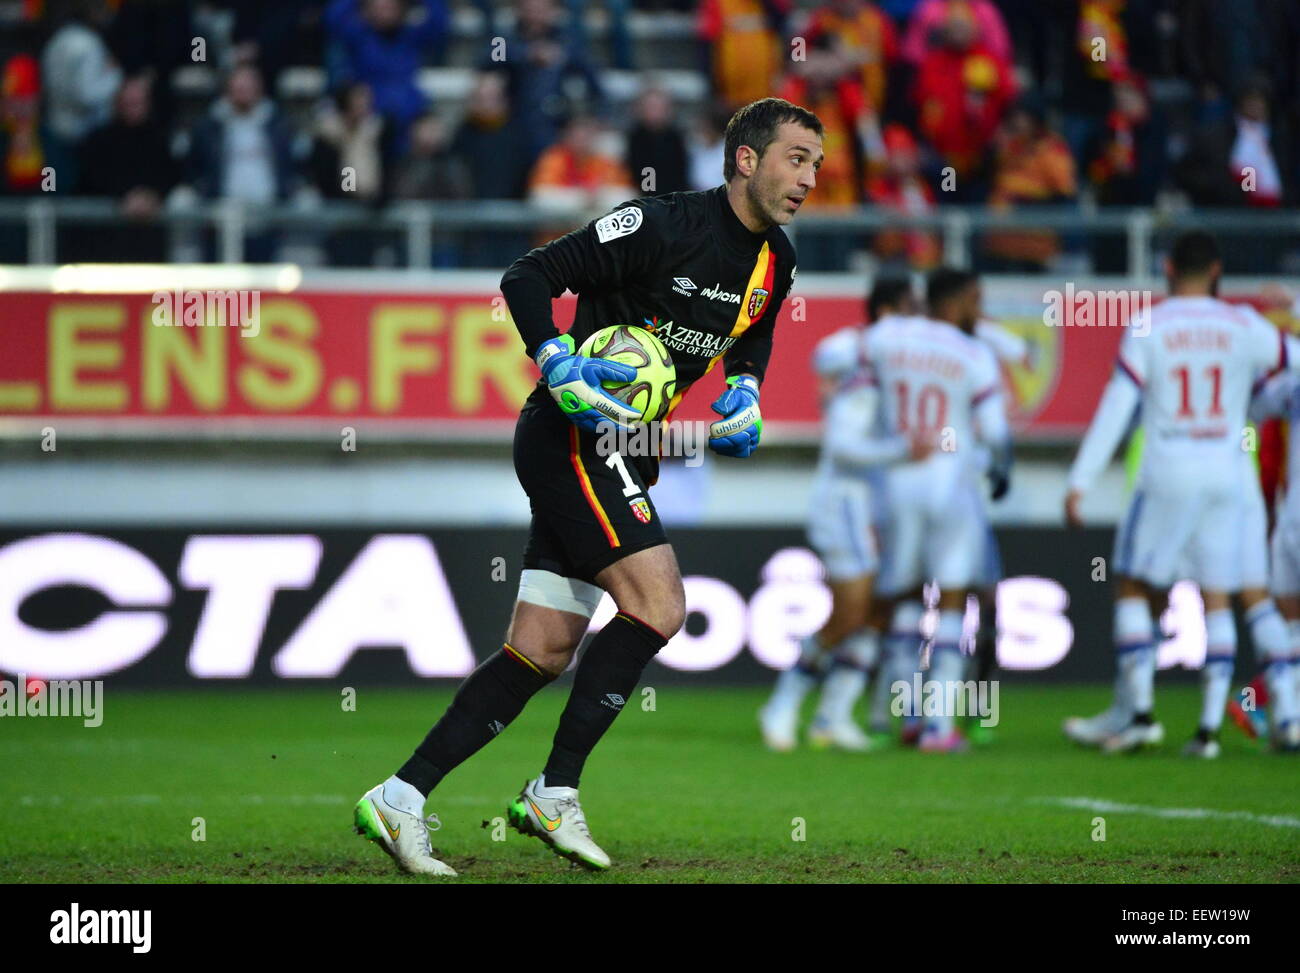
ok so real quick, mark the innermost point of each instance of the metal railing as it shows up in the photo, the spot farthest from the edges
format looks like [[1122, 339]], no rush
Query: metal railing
[[417, 223]]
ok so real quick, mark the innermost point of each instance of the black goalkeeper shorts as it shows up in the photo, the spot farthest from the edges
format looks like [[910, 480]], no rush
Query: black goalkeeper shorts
[[588, 510]]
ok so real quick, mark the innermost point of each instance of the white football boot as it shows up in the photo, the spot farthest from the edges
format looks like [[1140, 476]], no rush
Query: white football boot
[[841, 734], [1204, 749], [1135, 736], [403, 835], [557, 820], [1092, 731], [1286, 738]]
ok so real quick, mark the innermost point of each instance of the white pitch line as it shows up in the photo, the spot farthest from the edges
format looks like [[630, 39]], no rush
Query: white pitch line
[[1184, 813]]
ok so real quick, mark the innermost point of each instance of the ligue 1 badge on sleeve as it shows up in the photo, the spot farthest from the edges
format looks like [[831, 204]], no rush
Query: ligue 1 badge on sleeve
[[641, 507]]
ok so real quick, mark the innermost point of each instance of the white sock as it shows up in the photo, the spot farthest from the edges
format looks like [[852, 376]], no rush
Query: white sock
[[1135, 645], [902, 658], [1268, 631], [848, 679], [1220, 660], [946, 667], [797, 681], [1123, 705], [840, 693], [403, 796]]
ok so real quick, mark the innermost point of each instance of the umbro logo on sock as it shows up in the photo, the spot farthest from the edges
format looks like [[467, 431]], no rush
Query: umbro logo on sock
[[613, 701], [496, 726]]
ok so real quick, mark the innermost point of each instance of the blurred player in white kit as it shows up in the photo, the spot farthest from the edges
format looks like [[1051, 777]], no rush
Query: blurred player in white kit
[[941, 385], [1280, 397], [844, 511], [1187, 368]]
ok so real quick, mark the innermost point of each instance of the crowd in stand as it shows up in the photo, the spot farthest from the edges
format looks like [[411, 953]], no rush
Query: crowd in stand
[[1003, 103]]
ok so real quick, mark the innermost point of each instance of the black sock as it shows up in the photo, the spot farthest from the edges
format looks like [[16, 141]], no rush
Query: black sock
[[489, 698], [609, 671]]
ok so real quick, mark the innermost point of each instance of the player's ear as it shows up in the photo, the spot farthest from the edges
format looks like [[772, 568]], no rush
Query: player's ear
[[746, 161]]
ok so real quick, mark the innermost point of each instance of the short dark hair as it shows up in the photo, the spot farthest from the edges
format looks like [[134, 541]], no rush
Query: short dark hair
[[945, 283], [1193, 254], [887, 292], [756, 125]]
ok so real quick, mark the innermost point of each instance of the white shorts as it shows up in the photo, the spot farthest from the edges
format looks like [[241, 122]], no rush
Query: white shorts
[[1254, 540], [1214, 538], [945, 540], [840, 528], [1286, 553]]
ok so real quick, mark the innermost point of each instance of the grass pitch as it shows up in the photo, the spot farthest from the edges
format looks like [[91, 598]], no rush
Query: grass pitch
[[685, 793]]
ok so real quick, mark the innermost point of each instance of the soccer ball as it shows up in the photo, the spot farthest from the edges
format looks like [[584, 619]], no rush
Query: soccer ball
[[656, 376]]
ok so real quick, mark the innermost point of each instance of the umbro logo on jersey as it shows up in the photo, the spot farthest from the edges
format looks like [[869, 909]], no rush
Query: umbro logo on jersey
[[613, 701], [683, 286], [720, 295]]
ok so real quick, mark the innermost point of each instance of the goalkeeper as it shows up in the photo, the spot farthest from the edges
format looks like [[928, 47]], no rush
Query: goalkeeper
[[707, 272]]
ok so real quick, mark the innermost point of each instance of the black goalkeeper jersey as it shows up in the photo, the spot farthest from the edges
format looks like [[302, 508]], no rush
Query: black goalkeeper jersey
[[681, 265]]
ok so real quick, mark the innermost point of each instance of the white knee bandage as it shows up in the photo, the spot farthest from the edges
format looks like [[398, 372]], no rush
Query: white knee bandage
[[552, 590]]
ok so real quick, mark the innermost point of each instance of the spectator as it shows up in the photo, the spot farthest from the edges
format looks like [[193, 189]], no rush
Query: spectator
[[829, 85], [151, 39], [380, 49], [130, 160], [707, 150], [864, 38], [1033, 165], [1097, 58], [929, 28], [655, 145], [576, 173], [23, 142], [543, 65], [244, 150], [1126, 163], [1244, 160], [81, 80], [494, 151], [22, 138], [744, 39], [617, 36], [823, 86], [347, 153], [430, 170], [899, 187], [961, 90]]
